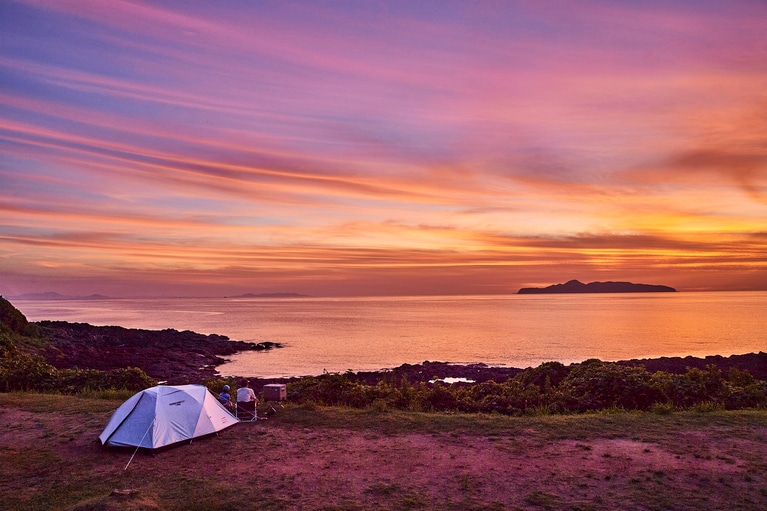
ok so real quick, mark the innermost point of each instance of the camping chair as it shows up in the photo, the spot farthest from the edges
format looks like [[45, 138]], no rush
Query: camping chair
[[246, 411]]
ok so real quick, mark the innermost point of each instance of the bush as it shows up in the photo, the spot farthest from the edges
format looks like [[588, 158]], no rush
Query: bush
[[742, 390], [545, 376], [551, 388], [129, 378], [439, 398], [215, 385], [596, 385], [28, 372], [662, 408], [74, 381], [333, 389], [22, 371], [708, 407], [13, 321], [694, 387]]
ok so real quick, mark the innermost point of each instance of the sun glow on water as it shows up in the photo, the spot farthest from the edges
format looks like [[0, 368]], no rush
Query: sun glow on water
[[334, 335]]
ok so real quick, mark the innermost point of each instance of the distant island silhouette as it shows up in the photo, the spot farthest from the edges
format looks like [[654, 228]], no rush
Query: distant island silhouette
[[271, 295], [51, 295], [576, 286]]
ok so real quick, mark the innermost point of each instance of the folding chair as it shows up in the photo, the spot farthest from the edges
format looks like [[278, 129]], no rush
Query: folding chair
[[246, 411]]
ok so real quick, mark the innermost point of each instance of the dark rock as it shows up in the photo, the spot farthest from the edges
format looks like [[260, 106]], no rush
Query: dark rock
[[428, 371], [166, 355], [754, 363]]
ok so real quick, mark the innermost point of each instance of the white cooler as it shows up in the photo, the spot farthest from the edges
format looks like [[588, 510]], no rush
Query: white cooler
[[275, 392]]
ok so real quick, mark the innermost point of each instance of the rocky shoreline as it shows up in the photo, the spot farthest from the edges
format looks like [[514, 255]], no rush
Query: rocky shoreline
[[171, 356], [178, 357], [754, 363]]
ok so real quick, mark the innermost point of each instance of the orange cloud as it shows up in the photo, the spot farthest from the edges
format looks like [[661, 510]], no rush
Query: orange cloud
[[382, 150]]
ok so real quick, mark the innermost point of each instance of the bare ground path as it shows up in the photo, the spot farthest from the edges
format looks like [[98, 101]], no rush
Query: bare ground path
[[304, 459]]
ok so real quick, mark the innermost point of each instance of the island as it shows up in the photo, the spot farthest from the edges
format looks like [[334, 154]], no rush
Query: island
[[271, 295], [51, 295], [576, 286]]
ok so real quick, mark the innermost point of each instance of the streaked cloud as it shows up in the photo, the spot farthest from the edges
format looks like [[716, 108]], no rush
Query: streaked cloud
[[380, 148]]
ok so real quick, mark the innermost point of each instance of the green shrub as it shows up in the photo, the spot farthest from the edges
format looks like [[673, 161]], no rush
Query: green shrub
[[379, 405], [332, 389], [698, 386], [546, 376], [596, 385], [539, 410], [216, 384], [707, 407], [13, 321], [591, 386], [22, 371], [440, 398], [129, 378], [702, 385], [742, 390], [74, 381], [662, 408]]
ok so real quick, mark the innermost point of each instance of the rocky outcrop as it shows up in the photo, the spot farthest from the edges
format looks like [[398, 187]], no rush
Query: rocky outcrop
[[166, 355], [754, 363], [427, 371], [575, 286]]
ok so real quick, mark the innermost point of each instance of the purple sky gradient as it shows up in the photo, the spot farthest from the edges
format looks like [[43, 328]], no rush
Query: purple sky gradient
[[353, 148]]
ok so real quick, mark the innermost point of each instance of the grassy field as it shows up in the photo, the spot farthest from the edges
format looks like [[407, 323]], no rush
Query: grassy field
[[340, 459]]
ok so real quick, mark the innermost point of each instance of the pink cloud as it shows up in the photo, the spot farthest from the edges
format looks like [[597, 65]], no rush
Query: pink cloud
[[377, 141]]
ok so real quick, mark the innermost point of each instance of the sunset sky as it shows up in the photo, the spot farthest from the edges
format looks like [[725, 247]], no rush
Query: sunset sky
[[337, 148]]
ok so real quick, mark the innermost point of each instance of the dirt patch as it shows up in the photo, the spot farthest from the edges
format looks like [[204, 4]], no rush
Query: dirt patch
[[275, 464]]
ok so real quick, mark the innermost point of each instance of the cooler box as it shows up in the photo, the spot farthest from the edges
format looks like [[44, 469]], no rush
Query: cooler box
[[275, 392]]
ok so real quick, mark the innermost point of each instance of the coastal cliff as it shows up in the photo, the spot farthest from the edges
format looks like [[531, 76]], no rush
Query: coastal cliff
[[576, 286]]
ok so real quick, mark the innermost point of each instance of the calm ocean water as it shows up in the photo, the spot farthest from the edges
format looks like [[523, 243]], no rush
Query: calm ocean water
[[336, 334]]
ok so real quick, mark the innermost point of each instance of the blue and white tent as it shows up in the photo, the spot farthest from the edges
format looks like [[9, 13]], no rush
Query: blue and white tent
[[164, 415]]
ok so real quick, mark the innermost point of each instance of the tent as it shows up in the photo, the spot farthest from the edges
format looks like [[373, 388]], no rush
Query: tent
[[164, 415]]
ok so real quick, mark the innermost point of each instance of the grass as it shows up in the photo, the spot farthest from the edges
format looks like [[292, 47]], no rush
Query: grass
[[644, 426], [59, 464]]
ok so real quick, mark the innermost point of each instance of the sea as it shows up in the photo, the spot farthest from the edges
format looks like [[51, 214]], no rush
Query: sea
[[376, 333]]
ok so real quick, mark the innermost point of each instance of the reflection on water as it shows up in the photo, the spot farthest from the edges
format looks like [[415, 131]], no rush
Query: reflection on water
[[339, 334]]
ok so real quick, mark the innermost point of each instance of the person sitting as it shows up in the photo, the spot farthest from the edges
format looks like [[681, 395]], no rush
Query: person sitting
[[246, 395], [226, 398]]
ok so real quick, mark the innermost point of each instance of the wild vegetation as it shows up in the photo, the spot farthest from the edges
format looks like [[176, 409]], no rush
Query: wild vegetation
[[552, 387], [23, 369], [549, 388]]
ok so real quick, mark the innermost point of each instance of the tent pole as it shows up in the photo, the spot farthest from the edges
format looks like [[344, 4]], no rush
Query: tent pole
[[139, 444]]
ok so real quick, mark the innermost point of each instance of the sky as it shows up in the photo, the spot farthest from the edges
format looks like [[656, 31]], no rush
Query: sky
[[335, 148]]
